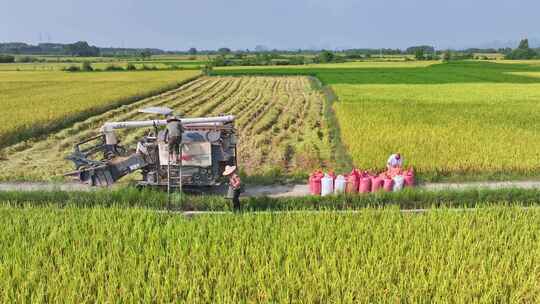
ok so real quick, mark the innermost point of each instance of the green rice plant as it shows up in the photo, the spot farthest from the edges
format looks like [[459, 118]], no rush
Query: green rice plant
[[407, 199], [487, 255]]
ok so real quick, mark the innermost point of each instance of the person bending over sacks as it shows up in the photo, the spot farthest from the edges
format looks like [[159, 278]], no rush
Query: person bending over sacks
[[394, 164]]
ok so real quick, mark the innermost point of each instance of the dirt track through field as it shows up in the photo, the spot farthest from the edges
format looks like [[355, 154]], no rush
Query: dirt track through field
[[297, 190]]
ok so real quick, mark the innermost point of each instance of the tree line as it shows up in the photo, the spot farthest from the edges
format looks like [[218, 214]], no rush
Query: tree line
[[261, 56], [79, 48]]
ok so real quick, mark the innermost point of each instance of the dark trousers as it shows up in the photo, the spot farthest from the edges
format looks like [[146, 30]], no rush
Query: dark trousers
[[236, 200], [174, 145]]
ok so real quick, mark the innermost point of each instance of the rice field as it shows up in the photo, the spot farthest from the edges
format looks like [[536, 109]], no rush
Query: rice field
[[448, 129], [326, 66], [134, 255], [35, 102], [100, 64], [460, 120], [281, 124]]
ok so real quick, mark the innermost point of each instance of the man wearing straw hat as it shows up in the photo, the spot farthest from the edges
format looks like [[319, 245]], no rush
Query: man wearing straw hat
[[235, 186]]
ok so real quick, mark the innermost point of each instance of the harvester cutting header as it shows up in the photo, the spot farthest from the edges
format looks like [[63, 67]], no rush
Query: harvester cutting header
[[206, 146]]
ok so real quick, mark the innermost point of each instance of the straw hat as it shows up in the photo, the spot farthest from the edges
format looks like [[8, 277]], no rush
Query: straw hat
[[229, 170], [173, 117]]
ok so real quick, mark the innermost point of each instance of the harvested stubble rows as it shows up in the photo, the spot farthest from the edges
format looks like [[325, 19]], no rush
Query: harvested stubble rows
[[133, 255], [280, 122]]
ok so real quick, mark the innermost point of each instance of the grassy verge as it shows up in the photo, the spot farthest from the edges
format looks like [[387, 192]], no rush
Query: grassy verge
[[342, 158], [454, 177], [408, 199]]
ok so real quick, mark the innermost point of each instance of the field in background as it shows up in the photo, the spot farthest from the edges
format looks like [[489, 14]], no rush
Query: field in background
[[34, 102], [103, 65], [132, 255], [444, 129], [463, 120], [488, 56], [281, 123], [313, 68], [533, 62]]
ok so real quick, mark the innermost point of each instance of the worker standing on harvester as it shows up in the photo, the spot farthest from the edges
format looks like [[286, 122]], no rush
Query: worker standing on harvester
[[235, 186], [173, 135]]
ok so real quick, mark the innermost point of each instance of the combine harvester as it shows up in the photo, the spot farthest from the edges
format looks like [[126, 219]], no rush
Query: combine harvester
[[208, 145]]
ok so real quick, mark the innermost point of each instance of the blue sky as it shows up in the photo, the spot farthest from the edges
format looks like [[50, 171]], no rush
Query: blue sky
[[284, 24]]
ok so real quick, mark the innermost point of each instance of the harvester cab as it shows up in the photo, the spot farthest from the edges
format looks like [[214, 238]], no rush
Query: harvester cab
[[208, 145]]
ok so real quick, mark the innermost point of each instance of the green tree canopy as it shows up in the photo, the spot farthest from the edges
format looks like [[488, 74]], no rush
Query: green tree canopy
[[82, 49], [446, 56], [224, 50], [523, 51], [326, 56], [419, 54], [524, 44]]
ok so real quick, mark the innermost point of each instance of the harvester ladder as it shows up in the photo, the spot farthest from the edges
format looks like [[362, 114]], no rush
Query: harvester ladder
[[174, 178]]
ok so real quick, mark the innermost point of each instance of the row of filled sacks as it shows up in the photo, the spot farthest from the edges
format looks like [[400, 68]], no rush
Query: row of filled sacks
[[359, 181]]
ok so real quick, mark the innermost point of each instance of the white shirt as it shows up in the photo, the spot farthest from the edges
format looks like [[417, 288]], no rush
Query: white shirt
[[393, 161]]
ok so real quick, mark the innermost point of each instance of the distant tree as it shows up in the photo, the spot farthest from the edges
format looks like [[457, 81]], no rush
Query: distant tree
[[224, 51], [72, 68], [145, 54], [239, 55], [6, 58], [192, 51], [26, 59], [419, 54], [87, 66], [261, 48], [505, 51], [522, 52], [131, 67], [297, 60], [425, 48], [207, 69], [81, 49], [219, 61], [113, 67], [523, 44], [326, 56], [446, 56]]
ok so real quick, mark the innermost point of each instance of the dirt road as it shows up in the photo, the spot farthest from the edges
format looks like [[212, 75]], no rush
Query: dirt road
[[279, 190]]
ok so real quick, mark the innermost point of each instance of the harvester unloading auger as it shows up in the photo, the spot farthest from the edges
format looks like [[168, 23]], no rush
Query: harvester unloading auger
[[208, 145]]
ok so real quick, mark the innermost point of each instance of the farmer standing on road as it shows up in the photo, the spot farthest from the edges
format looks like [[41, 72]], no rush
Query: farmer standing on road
[[173, 134], [395, 162], [235, 186]]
